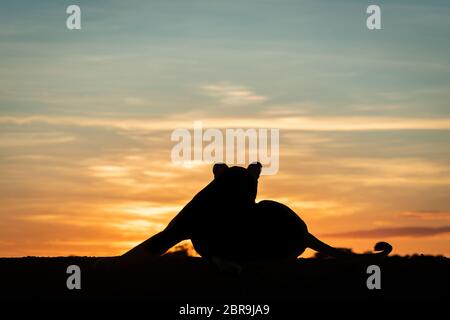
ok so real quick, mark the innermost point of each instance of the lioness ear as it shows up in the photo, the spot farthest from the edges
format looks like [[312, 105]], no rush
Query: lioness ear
[[255, 169], [219, 168]]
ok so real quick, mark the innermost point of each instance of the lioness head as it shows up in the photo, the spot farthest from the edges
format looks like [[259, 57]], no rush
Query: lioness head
[[240, 184]]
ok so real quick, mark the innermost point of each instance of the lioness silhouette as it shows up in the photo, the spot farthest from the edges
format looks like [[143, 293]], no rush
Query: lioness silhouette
[[223, 221]]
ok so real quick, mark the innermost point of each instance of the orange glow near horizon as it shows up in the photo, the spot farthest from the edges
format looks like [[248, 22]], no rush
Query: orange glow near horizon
[[60, 199]]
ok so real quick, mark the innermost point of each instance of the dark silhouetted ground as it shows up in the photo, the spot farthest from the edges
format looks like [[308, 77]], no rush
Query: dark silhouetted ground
[[172, 281], [176, 277]]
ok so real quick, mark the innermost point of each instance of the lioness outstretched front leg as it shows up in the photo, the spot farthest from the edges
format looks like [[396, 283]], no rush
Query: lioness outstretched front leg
[[157, 244]]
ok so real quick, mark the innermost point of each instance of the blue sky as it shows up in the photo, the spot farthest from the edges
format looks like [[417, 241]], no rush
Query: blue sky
[[308, 56]]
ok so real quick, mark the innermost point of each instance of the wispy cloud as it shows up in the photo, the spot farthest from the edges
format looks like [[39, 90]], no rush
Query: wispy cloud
[[286, 123], [109, 171], [427, 215], [136, 102], [33, 139], [401, 171], [392, 232], [232, 95]]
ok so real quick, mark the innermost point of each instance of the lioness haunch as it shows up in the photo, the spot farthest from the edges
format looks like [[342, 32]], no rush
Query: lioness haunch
[[224, 221]]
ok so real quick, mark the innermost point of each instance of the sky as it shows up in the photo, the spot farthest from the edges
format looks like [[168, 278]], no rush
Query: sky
[[86, 117]]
